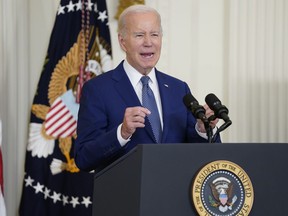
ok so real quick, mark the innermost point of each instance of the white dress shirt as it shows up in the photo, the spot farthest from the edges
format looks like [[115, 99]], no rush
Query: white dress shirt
[[135, 76]]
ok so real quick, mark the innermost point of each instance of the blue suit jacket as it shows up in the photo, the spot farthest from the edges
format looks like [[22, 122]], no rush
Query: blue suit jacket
[[102, 106]]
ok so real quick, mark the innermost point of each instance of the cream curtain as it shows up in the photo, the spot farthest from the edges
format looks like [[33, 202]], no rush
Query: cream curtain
[[257, 70], [14, 97], [18, 80]]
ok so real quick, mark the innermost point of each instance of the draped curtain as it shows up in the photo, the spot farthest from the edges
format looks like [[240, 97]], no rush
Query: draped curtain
[[257, 70]]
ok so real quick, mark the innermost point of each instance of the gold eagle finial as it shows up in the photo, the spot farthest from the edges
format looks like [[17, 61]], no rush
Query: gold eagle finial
[[123, 4]]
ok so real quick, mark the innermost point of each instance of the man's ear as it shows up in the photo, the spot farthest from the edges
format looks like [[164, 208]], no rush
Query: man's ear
[[121, 42]]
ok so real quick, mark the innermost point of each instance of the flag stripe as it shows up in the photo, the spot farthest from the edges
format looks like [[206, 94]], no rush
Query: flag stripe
[[62, 127], [54, 109], [53, 117], [58, 119], [69, 131]]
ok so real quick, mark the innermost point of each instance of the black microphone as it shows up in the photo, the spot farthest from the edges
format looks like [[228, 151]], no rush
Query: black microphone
[[197, 110], [220, 111]]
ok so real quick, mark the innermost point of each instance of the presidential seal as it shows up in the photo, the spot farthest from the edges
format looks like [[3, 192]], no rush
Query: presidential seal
[[222, 188]]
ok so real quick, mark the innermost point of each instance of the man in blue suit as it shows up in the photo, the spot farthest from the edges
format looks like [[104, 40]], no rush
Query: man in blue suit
[[112, 120]]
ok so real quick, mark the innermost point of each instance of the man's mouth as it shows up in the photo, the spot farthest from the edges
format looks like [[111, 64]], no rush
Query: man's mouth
[[147, 55]]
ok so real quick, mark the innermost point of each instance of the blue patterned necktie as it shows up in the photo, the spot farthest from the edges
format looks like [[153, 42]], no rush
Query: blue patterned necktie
[[148, 101]]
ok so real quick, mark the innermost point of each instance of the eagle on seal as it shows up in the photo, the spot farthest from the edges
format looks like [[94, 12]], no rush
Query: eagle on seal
[[222, 191]]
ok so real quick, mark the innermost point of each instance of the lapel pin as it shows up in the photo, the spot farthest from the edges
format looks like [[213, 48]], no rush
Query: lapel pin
[[166, 85]]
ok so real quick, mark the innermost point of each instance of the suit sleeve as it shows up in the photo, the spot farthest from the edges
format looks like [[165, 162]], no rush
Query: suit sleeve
[[95, 145]]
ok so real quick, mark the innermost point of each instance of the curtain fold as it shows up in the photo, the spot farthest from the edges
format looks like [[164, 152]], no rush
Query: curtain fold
[[257, 70]]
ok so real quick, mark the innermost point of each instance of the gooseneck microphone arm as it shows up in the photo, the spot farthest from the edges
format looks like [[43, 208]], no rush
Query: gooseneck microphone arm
[[198, 112]]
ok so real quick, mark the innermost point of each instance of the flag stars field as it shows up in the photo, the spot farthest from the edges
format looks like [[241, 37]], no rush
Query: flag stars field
[[70, 6], [102, 16], [74, 201], [65, 200], [28, 181], [56, 197], [46, 193], [86, 201], [89, 5], [38, 188]]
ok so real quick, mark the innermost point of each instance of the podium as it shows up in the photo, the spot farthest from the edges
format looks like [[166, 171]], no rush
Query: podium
[[157, 179]]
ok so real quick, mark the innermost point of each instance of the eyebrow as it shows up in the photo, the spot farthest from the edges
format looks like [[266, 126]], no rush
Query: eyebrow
[[143, 32]]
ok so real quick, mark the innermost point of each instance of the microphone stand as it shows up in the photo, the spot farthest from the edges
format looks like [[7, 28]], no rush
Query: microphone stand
[[209, 130], [221, 128]]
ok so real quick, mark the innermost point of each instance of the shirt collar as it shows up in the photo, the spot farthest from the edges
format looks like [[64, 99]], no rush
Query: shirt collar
[[135, 75]]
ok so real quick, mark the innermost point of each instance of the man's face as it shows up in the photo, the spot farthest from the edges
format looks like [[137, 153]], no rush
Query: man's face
[[142, 41]]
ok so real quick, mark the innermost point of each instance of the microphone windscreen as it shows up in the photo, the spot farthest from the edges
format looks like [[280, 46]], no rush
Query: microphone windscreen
[[212, 100], [188, 99]]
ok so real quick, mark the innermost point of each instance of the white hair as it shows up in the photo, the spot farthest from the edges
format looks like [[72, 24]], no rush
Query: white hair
[[138, 8]]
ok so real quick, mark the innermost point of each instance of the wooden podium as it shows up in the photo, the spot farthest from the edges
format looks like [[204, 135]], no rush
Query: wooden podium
[[156, 179]]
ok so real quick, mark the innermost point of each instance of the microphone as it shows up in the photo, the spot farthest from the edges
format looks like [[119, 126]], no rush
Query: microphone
[[197, 110], [220, 111]]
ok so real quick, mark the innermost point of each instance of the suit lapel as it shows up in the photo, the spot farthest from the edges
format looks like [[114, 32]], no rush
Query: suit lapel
[[127, 92], [124, 87], [166, 100]]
